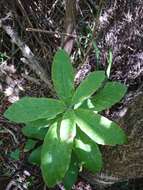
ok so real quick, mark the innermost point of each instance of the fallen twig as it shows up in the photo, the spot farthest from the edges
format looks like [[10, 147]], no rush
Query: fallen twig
[[11, 133], [54, 33], [29, 57]]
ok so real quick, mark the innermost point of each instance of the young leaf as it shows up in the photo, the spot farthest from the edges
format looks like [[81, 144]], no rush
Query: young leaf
[[87, 152], [35, 156], [55, 157], [88, 86], [108, 96], [34, 132], [30, 109], [29, 145], [99, 128], [71, 175], [63, 75], [68, 127]]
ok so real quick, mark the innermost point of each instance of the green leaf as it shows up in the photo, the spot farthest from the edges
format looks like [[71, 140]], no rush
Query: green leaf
[[29, 145], [35, 156], [87, 152], [34, 132], [99, 128], [88, 86], [41, 123], [30, 109], [71, 175], [15, 155], [109, 60], [63, 75], [68, 127], [55, 157], [108, 96]]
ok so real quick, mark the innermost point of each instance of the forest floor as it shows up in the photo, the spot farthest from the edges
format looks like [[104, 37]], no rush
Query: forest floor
[[119, 33]]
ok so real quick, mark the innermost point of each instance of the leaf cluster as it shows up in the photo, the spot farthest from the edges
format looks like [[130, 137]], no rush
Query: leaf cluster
[[69, 128]]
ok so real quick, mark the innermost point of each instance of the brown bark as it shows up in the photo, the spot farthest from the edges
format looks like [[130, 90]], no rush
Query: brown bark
[[126, 161]]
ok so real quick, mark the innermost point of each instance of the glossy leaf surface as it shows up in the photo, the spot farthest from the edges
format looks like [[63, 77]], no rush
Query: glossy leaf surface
[[41, 123], [68, 127], [98, 128], [112, 93], [34, 132], [30, 109], [55, 157], [71, 175], [87, 152], [88, 86], [63, 75]]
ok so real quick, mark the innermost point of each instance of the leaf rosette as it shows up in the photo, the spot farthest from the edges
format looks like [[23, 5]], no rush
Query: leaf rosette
[[70, 128]]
